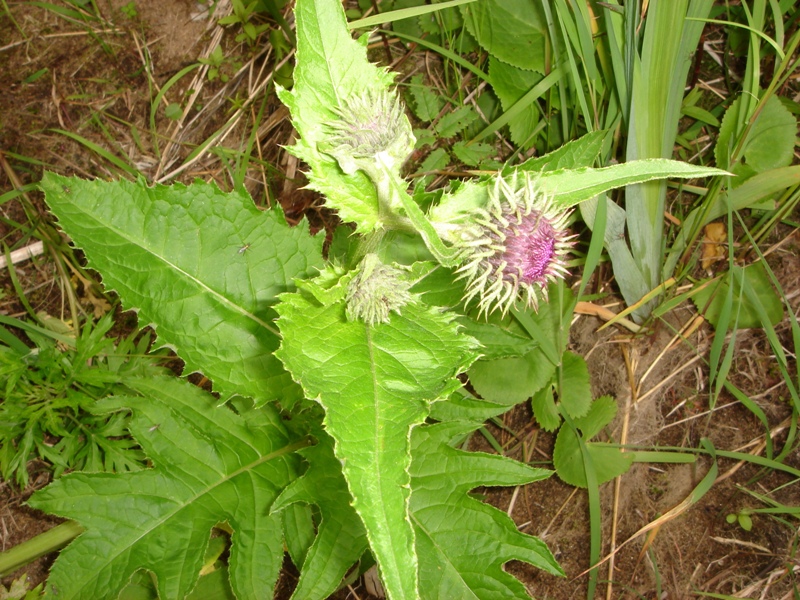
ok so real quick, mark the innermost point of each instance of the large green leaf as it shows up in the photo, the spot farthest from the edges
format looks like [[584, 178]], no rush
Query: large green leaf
[[375, 383], [202, 266], [511, 30], [210, 465], [607, 461], [575, 389], [769, 144], [511, 83], [544, 408], [751, 287], [497, 341], [511, 380], [569, 187], [341, 538], [464, 406], [331, 67], [463, 543]]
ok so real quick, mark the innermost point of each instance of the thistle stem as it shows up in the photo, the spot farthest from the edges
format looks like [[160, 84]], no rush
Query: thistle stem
[[44, 543], [392, 196]]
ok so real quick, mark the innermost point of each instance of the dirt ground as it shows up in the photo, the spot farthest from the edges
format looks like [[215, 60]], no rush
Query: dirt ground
[[93, 77]]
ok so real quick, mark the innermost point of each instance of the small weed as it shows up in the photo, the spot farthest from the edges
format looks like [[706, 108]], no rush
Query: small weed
[[220, 66], [242, 13], [743, 518], [50, 394], [173, 111], [129, 10]]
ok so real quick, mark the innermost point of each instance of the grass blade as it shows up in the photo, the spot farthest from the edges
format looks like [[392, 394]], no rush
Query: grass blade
[[116, 161], [404, 13]]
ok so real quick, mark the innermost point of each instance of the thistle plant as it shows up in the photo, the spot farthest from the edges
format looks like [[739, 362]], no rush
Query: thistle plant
[[515, 246], [343, 374]]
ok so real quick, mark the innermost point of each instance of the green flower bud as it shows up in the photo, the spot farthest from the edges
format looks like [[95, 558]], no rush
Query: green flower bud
[[375, 291], [370, 126]]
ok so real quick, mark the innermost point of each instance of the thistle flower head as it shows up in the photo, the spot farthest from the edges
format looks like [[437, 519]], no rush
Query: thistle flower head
[[375, 291], [515, 246], [368, 126]]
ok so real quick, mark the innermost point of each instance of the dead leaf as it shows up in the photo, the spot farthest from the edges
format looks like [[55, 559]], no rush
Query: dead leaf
[[714, 245]]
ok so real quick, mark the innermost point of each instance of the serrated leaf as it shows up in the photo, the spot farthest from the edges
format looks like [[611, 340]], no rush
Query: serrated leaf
[[749, 283], [544, 408], [427, 103], [569, 187], [202, 265], [601, 413], [607, 461], [472, 154], [575, 391], [341, 538], [463, 406], [331, 67], [497, 342], [511, 83], [463, 543], [511, 380], [512, 30], [769, 145], [160, 519], [506, 337], [424, 137], [435, 161], [375, 383], [573, 155], [454, 122]]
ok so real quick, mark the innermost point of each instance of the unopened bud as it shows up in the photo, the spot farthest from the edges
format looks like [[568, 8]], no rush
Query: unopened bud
[[370, 126], [375, 291]]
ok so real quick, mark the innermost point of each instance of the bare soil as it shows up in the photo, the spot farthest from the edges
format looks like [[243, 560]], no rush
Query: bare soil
[[98, 83]]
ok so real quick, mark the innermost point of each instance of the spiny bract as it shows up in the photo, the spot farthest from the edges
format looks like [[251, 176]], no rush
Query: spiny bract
[[375, 291], [370, 125], [515, 246]]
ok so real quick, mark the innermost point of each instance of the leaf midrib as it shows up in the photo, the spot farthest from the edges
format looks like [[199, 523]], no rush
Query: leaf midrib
[[201, 285], [188, 502], [377, 429]]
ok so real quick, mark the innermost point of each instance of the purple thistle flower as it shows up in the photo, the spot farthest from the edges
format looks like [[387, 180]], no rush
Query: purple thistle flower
[[515, 246]]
